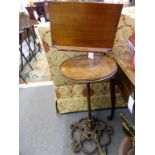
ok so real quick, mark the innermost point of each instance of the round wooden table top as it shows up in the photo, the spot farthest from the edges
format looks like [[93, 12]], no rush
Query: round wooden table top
[[83, 69]]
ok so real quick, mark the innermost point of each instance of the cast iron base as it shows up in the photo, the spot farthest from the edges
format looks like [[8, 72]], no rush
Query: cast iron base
[[91, 132]]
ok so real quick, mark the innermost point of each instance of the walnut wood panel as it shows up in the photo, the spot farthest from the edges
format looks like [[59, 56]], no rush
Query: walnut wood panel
[[84, 24], [84, 69]]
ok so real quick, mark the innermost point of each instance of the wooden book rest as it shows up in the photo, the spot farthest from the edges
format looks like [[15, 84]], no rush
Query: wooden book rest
[[84, 26]]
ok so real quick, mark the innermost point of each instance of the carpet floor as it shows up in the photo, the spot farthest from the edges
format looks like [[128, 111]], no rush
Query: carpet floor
[[44, 132], [41, 71]]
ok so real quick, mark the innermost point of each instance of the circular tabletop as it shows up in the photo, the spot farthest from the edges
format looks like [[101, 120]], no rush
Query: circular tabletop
[[83, 69]]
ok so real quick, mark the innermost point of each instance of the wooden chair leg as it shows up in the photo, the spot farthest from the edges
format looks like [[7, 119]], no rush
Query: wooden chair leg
[[22, 78], [35, 43], [28, 42], [23, 56], [112, 92]]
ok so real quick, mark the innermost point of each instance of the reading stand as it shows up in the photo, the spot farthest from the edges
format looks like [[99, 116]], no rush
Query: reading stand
[[88, 27]]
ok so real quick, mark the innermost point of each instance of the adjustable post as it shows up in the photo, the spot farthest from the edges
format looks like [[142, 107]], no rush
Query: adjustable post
[[89, 101]]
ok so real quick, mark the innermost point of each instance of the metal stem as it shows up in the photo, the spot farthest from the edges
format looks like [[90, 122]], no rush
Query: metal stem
[[89, 101]]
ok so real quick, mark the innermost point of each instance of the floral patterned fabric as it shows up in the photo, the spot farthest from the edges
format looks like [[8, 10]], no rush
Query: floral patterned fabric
[[71, 97], [126, 28]]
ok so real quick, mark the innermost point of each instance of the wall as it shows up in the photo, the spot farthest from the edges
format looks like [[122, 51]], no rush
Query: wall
[[24, 3]]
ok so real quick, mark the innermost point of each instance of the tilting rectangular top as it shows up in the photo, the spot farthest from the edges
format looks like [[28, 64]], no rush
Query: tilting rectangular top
[[84, 24]]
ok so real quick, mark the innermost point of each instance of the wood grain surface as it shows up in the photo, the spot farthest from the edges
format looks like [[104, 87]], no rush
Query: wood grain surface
[[84, 24], [82, 49], [84, 69]]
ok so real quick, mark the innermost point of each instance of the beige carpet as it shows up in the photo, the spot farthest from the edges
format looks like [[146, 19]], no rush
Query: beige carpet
[[41, 71]]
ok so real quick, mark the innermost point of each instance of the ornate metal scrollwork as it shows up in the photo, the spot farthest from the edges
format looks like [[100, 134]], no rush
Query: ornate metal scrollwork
[[91, 131]]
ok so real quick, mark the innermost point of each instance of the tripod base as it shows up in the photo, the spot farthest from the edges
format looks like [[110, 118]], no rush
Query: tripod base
[[90, 136]]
